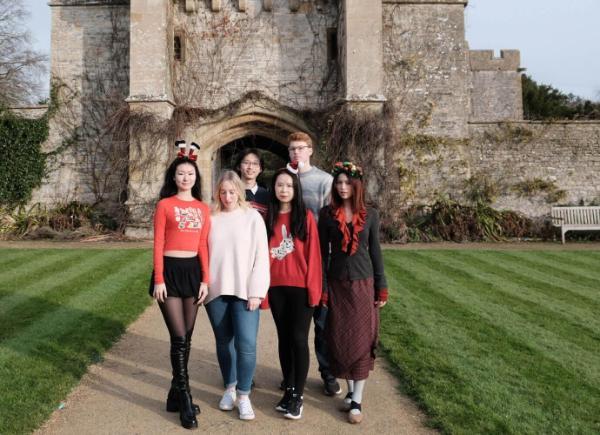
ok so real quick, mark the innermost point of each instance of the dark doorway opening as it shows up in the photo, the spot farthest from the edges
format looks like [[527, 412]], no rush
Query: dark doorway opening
[[275, 156]]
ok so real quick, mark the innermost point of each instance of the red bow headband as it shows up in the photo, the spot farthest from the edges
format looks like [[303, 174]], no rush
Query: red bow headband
[[293, 167], [187, 151]]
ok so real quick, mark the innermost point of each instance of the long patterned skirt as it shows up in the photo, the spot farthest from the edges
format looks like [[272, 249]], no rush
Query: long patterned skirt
[[352, 328]]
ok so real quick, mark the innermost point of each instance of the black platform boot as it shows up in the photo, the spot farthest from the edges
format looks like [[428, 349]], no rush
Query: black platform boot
[[186, 412], [172, 397]]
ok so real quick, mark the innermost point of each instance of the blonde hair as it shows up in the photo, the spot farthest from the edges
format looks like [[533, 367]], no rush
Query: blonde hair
[[234, 179]]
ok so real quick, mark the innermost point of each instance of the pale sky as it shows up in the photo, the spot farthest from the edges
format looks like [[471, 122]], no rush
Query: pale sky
[[558, 39]]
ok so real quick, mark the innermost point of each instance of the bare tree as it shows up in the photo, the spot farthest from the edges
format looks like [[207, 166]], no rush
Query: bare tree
[[20, 65]]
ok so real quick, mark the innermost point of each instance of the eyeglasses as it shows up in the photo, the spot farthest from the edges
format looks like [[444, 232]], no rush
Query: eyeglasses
[[300, 148], [249, 163]]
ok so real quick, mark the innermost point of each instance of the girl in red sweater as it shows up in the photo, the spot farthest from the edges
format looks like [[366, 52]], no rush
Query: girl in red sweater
[[296, 282], [181, 272]]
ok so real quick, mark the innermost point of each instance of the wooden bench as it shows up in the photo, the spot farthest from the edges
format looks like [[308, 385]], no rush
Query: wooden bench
[[575, 219]]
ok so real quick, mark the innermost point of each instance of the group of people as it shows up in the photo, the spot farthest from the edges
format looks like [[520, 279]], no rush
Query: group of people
[[307, 248]]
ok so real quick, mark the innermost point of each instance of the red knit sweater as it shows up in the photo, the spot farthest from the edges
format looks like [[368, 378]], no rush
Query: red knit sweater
[[181, 226], [294, 262]]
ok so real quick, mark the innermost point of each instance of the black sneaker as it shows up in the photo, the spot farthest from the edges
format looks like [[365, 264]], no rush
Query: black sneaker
[[295, 407], [284, 403], [332, 387]]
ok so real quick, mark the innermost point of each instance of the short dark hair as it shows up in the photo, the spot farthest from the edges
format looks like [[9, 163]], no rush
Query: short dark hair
[[169, 187], [243, 154]]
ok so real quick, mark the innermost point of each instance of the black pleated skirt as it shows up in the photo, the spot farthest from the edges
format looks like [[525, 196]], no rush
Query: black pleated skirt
[[182, 277]]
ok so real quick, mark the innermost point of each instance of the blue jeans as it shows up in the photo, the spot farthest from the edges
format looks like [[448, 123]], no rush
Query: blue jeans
[[235, 329]]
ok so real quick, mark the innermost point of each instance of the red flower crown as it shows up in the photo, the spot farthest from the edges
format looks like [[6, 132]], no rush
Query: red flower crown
[[348, 168]]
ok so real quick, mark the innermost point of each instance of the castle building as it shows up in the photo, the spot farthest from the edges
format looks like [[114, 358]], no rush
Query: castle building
[[230, 73]]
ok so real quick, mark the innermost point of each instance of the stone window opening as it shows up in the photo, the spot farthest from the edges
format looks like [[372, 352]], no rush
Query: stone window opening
[[179, 48], [332, 45]]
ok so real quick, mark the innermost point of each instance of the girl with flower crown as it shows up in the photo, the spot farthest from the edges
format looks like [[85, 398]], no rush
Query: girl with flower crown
[[354, 284], [181, 271], [295, 282]]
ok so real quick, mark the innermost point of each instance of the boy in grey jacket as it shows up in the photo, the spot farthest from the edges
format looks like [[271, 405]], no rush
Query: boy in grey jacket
[[316, 187]]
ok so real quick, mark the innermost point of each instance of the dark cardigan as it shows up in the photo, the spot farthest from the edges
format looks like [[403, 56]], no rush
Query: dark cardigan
[[367, 262]]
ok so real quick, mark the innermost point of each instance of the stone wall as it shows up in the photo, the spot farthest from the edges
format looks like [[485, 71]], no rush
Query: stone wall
[[426, 65], [90, 73], [564, 153], [280, 51], [511, 156]]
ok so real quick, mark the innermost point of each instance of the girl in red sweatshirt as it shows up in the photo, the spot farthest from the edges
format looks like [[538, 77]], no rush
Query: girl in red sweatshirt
[[296, 282], [181, 270]]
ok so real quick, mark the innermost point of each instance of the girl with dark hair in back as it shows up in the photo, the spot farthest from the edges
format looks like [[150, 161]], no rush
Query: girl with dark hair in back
[[181, 270], [295, 282]]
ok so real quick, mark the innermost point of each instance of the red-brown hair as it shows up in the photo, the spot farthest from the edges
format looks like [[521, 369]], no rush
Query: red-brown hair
[[299, 136], [358, 194]]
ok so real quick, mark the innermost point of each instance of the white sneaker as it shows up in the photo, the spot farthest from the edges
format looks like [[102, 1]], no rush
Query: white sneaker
[[227, 402], [245, 409]]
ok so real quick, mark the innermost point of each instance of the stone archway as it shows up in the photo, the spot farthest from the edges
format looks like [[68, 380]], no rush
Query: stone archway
[[267, 129], [275, 155]]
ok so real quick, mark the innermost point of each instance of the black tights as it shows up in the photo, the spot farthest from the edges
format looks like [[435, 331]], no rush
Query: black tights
[[292, 316], [179, 315]]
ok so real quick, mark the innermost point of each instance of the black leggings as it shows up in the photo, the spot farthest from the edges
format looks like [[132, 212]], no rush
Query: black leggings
[[292, 316], [179, 315]]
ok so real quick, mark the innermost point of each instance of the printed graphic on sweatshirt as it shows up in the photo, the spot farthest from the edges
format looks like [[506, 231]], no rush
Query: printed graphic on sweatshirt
[[285, 247], [189, 218]]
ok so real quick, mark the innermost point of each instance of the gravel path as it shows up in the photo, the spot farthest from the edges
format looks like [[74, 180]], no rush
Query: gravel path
[[125, 393]]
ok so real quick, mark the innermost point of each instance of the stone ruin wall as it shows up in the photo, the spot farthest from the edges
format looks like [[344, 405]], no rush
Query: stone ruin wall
[[90, 72]]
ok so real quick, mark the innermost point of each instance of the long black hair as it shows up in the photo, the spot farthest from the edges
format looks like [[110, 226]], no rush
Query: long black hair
[[169, 187], [298, 213]]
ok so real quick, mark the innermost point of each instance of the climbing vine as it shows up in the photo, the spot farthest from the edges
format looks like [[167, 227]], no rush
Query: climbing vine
[[23, 162]]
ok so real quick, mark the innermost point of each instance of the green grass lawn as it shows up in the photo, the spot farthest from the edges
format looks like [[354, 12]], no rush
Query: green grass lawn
[[494, 342], [60, 309], [487, 342]]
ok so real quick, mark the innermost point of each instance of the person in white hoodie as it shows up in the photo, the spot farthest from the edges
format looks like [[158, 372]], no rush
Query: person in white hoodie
[[239, 280]]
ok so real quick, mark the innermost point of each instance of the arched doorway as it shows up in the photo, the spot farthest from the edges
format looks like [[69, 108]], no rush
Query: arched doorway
[[256, 127], [274, 154]]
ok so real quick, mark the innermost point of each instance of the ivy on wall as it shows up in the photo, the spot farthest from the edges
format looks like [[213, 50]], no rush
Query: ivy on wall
[[22, 161]]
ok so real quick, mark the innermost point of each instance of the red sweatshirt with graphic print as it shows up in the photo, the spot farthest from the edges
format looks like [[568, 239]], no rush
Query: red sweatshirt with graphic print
[[181, 226], [294, 262]]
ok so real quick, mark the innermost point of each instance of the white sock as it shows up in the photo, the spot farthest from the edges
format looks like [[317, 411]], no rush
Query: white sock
[[350, 385], [359, 387]]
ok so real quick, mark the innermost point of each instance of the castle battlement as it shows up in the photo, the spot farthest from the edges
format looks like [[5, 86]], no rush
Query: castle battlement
[[484, 60], [242, 5], [52, 3]]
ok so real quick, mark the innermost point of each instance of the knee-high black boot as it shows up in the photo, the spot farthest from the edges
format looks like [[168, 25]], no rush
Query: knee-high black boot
[[172, 398], [186, 412]]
